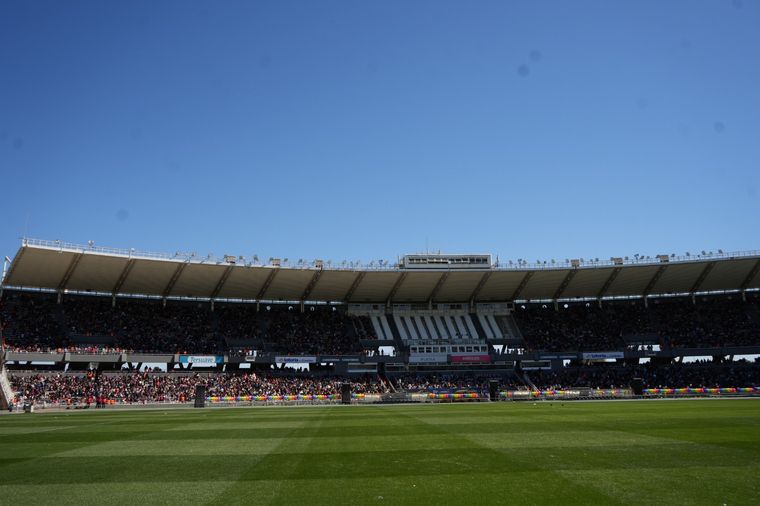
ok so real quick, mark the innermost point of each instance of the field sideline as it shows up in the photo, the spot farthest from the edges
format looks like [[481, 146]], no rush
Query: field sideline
[[686, 452]]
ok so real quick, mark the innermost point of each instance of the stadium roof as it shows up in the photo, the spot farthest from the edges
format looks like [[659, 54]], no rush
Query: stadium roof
[[61, 266]]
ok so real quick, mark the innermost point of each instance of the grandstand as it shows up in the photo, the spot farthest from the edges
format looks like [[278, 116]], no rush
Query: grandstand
[[434, 323]]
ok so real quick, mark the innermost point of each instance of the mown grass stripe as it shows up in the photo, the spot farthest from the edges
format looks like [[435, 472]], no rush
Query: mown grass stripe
[[579, 453]]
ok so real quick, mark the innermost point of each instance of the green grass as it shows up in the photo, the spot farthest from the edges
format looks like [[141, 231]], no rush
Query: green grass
[[647, 452]]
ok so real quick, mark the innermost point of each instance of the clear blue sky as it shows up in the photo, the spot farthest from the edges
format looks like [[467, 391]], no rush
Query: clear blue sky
[[365, 130]]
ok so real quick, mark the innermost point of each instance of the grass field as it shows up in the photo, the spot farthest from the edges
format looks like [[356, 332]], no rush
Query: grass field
[[684, 452]]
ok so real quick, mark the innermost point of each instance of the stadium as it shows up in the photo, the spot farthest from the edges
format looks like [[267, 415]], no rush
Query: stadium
[[365, 253], [93, 328]]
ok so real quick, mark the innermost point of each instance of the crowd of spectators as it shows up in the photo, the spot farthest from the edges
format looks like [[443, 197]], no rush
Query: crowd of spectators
[[653, 376], [28, 321], [669, 322], [325, 330], [156, 387], [36, 322], [151, 387], [452, 382]]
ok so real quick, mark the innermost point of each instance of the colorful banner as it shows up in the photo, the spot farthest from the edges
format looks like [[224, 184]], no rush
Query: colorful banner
[[428, 358], [454, 396], [701, 391], [482, 359], [624, 392], [201, 360], [602, 355], [295, 360], [280, 398]]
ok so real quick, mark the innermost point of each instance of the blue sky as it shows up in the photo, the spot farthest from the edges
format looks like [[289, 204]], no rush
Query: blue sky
[[366, 130]]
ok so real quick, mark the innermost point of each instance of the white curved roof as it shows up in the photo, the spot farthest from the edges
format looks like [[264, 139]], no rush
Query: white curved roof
[[58, 266]]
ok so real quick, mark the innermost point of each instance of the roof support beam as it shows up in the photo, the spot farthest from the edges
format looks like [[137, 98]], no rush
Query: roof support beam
[[654, 280], [395, 288], [522, 285], [563, 286], [752, 273], [479, 287], [311, 285], [266, 284], [437, 287], [221, 282], [607, 284], [173, 280], [354, 285], [701, 278], [123, 276], [72, 267]]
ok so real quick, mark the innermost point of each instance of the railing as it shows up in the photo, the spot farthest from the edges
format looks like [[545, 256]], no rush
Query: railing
[[383, 265], [635, 260], [68, 246], [201, 259]]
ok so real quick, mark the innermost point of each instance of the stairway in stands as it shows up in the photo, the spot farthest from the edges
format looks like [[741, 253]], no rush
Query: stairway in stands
[[523, 376], [6, 391], [386, 381]]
